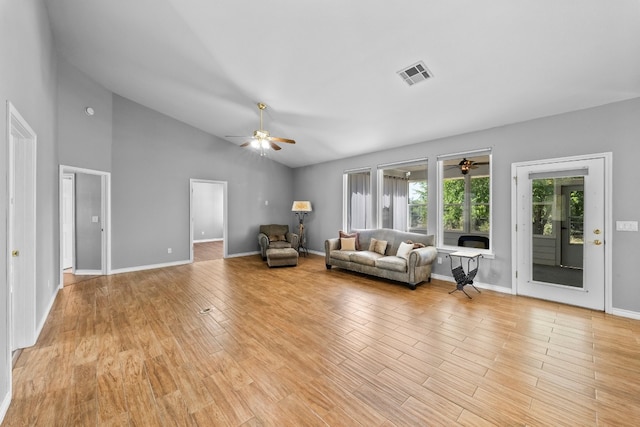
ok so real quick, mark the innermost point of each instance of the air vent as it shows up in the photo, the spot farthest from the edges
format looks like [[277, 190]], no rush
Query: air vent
[[415, 73]]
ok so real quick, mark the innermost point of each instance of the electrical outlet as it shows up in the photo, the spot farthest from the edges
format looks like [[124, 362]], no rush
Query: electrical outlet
[[439, 260], [203, 233], [168, 250]]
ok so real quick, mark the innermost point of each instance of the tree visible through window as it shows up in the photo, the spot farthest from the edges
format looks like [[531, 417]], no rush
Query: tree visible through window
[[465, 197]]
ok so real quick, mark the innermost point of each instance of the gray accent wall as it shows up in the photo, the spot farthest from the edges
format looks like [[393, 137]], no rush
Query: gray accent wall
[[88, 201], [611, 128], [28, 79], [154, 157], [85, 141]]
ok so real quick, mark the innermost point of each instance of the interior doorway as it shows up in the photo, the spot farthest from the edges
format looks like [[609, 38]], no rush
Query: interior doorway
[[562, 218], [208, 213], [84, 224]]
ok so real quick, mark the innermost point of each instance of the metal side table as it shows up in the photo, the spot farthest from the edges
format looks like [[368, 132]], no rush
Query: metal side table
[[461, 277]]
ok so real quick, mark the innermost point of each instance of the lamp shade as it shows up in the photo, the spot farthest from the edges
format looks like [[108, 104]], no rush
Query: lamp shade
[[301, 206]]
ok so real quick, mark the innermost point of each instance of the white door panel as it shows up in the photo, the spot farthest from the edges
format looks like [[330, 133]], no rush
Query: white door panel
[[542, 212]]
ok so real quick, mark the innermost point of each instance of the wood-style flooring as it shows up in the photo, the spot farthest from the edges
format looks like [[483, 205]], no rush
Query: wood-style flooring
[[208, 251], [306, 346]]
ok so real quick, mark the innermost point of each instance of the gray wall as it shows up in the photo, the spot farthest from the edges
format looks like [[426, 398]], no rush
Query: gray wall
[[88, 200], [208, 215], [85, 141], [154, 156], [612, 128], [28, 80]]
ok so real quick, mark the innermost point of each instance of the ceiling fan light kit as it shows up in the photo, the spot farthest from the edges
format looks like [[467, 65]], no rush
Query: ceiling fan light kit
[[261, 139]]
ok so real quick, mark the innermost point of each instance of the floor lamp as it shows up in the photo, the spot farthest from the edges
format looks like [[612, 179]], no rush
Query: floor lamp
[[301, 209]]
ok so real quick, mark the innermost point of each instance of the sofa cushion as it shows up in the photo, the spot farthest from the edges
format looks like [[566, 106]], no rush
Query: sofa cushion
[[392, 263], [347, 243], [379, 246], [279, 244], [342, 255], [365, 257], [347, 235]]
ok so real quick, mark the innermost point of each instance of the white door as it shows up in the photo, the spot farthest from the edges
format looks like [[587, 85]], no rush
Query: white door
[[540, 215], [22, 231], [67, 221]]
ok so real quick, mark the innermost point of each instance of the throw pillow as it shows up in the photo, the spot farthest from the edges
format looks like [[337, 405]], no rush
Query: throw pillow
[[277, 238], [416, 245], [379, 246], [347, 243], [349, 235], [404, 249]]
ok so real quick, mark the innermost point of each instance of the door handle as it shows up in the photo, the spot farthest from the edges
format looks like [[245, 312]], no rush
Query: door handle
[[15, 253], [596, 231], [596, 242]]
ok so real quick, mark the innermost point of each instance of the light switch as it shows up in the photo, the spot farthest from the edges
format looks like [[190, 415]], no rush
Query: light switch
[[94, 219], [626, 225]]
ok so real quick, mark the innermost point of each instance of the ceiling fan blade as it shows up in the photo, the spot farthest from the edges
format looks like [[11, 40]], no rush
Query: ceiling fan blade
[[288, 141], [245, 144], [275, 146]]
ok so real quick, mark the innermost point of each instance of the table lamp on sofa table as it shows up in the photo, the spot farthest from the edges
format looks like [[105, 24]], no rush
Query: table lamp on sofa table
[[301, 209]]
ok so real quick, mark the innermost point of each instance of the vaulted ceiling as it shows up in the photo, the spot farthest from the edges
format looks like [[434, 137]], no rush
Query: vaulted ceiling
[[328, 69]]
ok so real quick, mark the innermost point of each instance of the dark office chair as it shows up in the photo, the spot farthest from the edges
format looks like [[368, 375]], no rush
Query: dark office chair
[[470, 241]]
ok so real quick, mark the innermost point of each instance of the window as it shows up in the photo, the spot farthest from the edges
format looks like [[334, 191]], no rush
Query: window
[[403, 196], [357, 200], [465, 201]]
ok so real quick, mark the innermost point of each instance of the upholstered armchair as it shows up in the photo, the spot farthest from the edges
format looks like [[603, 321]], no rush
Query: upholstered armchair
[[274, 236]]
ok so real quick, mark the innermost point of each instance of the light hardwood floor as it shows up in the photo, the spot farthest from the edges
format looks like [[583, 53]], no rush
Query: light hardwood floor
[[307, 346], [208, 251]]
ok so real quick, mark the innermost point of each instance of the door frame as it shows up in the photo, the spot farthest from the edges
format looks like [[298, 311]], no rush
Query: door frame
[[224, 215], [105, 212], [25, 296], [607, 158], [72, 177]]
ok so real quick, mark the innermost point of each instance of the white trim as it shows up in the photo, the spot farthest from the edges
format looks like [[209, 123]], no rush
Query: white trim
[[241, 254], [225, 215], [625, 313], [149, 267], [46, 314], [6, 401], [88, 273], [321, 253], [209, 240]]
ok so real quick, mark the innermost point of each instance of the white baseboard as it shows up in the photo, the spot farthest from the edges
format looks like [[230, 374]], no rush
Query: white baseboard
[[219, 239], [6, 401], [88, 273], [238, 255], [148, 267], [480, 285], [46, 315], [321, 253], [625, 313]]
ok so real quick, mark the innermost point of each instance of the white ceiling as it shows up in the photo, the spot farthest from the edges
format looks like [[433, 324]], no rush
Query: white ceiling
[[328, 69]]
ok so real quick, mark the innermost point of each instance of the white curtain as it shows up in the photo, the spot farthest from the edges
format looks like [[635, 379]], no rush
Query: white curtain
[[359, 200], [394, 202]]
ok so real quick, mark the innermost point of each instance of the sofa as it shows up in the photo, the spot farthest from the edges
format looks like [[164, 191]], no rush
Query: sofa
[[412, 265], [276, 236]]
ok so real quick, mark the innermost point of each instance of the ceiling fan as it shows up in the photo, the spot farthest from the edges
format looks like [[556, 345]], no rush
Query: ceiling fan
[[466, 165], [261, 140]]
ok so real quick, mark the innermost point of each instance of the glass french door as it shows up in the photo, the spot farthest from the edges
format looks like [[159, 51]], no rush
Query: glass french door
[[560, 231]]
